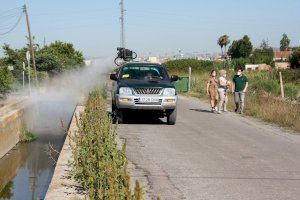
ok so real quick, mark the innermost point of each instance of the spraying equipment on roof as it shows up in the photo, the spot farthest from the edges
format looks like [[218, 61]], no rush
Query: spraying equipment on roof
[[124, 55]]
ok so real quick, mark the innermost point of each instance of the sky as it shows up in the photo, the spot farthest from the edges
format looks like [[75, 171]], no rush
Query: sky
[[152, 28]]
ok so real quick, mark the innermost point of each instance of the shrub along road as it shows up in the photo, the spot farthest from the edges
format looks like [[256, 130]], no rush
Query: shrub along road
[[211, 156]]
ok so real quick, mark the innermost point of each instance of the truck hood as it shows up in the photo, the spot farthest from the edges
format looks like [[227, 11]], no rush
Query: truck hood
[[145, 83]]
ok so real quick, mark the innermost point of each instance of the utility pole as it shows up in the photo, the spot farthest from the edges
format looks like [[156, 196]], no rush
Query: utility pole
[[122, 42], [23, 75], [44, 41], [31, 45]]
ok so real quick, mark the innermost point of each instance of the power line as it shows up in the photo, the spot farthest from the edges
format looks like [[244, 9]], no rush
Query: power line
[[6, 11], [69, 12], [7, 23], [14, 26]]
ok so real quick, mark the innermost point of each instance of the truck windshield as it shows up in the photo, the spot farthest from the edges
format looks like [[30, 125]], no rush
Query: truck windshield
[[143, 72]]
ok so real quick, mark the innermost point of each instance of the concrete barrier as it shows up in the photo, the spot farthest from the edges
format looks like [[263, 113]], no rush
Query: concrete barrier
[[11, 124], [62, 186]]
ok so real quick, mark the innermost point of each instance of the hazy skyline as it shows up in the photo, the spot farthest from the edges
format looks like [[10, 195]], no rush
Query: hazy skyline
[[156, 27]]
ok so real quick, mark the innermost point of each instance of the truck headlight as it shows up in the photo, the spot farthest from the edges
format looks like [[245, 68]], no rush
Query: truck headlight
[[125, 91], [169, 92]]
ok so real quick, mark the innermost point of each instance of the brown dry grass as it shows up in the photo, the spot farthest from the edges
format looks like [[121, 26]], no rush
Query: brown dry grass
[[274, 110]]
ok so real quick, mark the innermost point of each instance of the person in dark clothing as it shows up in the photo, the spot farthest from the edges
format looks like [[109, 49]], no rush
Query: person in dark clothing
[[240, 87]]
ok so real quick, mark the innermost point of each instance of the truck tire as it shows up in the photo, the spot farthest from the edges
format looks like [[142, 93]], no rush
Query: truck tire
[[120, 116], [171, 117], [114, 111]]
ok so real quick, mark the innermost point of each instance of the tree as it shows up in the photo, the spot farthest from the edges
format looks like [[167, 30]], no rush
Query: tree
[[226, 41], [54, 58], [223, 41], [14, 57], [220, 43], [284, 43], [241, 48], [295, 59], [6, 79], [64, 54], [264, 54], [264, 44]]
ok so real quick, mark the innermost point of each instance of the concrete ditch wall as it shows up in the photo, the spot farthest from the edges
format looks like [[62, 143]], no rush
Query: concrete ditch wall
[[11, 124], [62, 186]]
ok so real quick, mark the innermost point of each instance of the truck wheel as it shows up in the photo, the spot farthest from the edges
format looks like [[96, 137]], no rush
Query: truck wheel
[[120, 117], [171, 117], [114, 111]]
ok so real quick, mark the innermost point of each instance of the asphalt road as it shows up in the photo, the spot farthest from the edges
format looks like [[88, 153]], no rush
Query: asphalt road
[[211, 156]]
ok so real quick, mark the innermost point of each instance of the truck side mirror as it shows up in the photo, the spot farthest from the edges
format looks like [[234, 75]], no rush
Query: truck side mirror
[[174, 78], [113, 77]]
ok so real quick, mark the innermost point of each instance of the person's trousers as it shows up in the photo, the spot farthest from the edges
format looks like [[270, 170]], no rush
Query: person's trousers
[[239, 99], [223, 100]]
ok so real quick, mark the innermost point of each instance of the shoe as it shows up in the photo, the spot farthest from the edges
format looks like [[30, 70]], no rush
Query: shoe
[[219, 112], [213, 110], [235, 110]]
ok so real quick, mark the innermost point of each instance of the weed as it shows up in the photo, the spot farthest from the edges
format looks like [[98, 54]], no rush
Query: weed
[[98, 164], [26, 136]]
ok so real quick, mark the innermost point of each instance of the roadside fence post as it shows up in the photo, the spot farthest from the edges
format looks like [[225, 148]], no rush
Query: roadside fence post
[[281, 85], [190, 78]]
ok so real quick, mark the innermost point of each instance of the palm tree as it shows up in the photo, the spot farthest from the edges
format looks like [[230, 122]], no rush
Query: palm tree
[[226, 41], [223, 41], [221, 44]]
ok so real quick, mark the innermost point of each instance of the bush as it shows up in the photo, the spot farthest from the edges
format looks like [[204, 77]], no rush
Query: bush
[[295, 59], [99, 165], [240, 62], [291, 91], [182, 65], [261, 56], [42, 75], [291, 76], [265, 85], [6, 79]]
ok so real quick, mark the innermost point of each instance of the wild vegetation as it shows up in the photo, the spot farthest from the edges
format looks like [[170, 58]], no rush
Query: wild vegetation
[[98, 164], [51, 59], [295, 59], [27, 136], [262, 100], [6, 79]]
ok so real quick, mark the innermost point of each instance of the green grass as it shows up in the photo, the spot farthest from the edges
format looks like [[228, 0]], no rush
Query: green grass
[[26, 136]]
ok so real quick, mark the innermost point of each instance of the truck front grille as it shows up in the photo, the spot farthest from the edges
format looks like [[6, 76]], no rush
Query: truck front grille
[[147, 90]]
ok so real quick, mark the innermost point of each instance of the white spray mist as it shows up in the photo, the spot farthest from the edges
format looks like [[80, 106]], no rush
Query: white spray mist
[[58, 97]]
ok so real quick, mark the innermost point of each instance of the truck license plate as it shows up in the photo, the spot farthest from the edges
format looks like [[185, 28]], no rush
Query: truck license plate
[[149, 100]]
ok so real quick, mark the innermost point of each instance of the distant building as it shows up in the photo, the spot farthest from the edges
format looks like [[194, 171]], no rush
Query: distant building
[[282, 65], [140, 59], [251, 67], [264, 67], [282, 55], [152, 59], [261, 67]]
